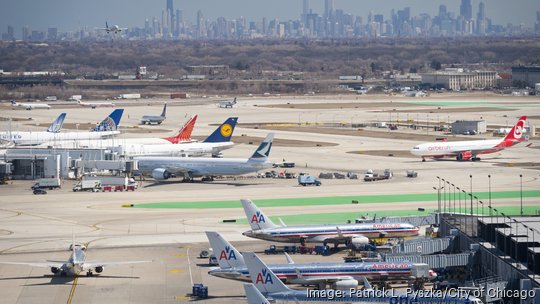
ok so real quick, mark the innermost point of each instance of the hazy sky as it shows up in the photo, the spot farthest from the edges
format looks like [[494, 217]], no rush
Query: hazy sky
[[73, 14]]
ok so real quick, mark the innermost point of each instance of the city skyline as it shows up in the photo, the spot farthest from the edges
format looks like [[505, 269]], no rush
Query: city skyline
[[72, 15]]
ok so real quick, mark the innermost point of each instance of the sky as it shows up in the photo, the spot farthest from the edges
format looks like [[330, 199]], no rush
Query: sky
[[69, 15]]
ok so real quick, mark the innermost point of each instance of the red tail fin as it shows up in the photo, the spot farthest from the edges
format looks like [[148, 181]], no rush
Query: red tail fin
[[517, 131], [185, 133]]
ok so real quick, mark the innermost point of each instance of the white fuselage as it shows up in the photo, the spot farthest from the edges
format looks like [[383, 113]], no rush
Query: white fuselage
[[40, 137], [197, 167], [452, 148], [31, 106]]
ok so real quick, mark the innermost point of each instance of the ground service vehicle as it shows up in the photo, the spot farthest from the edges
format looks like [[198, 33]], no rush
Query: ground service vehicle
[[305, 180]]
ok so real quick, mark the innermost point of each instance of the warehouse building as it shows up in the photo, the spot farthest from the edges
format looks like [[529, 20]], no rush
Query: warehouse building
[[527, 74], [458, 79], [468, 126]]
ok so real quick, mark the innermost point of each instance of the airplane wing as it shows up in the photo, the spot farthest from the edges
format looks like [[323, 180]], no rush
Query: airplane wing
[[111, 263], [47, 264]]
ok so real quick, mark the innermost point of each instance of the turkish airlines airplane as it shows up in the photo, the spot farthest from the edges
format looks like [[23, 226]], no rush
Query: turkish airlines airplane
[[470, 149]]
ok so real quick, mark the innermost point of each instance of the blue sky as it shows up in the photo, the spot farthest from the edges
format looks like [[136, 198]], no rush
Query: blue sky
[[74, 14]]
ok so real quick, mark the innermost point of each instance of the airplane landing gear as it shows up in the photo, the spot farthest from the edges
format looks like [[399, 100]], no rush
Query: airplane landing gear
[[423, 159], [89, 274], [475, 159]]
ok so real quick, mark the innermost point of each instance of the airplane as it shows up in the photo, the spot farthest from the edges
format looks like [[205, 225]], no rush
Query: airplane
[[272, 288], [30, 106], [157, 119], [339, 275], [213, 144], [227, 103], [105, 129], [357, 235], [184, 136], [115, 28], [94, 105], [470, 149], [162, 168], [57, 124], [77, 263], [253, 295]]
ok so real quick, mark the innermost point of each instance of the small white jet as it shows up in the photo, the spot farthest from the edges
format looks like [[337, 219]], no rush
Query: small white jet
[[94, 105], [470, 149], [115, 28], [76, 263], [227, 103], [30, 106]]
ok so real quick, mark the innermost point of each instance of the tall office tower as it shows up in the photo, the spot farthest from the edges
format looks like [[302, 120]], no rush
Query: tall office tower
[[200, 24], [481, 22], [465, 9], [178, 21], [154, 26], [25, 33], [147, 27], [11, 32], [537, 23], [305, 11], [328, 9], [163, 21], [52, 34], [443, 12], [170, 16]]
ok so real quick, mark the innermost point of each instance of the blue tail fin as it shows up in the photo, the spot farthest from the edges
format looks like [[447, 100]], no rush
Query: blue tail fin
[[111, 122], [262, 152], [56, 126], [164, 111], [224, 132]]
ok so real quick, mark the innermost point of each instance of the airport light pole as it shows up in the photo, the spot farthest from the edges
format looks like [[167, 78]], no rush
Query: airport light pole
[[489, 193], [521, 192], [470, 179], [454, 198], [438, 198], [444, 194]]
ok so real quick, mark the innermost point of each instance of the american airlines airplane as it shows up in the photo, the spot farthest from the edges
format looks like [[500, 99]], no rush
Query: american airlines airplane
[[106, 128], [162, 168], [339, 275], [30, 106], [76, 263], [470, 149], [272, 288], [355, 234]]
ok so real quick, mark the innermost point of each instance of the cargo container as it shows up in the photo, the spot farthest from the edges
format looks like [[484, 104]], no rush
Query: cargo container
[[179, 95], [129, 96]]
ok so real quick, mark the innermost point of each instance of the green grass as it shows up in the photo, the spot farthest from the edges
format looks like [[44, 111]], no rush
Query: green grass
[[333, 200]]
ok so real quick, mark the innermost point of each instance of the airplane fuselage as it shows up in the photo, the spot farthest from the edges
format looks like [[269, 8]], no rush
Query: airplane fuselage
[[452, 149], [36, 138]]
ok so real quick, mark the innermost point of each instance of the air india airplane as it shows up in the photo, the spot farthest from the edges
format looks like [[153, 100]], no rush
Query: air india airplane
[[470, 149]]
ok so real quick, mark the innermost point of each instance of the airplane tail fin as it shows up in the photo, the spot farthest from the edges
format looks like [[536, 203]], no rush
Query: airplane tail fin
[[185, 132], [256, 218], [224, 132], [253, 295], [111, 122], [13, 102], [56, 126], [516, 134], [226, 255], [263, 151], [234, 101], [164, 111], [261, 276]]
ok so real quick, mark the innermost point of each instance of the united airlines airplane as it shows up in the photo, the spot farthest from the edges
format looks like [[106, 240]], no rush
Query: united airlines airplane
[[355, 234], [338, 275], [470, 149]]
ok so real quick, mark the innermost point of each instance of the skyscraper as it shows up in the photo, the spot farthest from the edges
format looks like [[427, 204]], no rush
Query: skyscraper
[[481, 11], [170, 16], [465, 9], [328, 9], [305, 11]]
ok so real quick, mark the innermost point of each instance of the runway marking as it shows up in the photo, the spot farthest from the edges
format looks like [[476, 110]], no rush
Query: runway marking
[[180, 255], [182, 298], [72, 292], [189, 265], [176, 270]]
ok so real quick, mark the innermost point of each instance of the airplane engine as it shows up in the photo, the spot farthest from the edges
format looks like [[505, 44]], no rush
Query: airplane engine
[[345, 284], [161, 174], [99, 269], [55, 270], [464, 156], [359, 242]]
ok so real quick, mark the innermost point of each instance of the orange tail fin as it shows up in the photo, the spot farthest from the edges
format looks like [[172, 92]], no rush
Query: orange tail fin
[[185, 133]]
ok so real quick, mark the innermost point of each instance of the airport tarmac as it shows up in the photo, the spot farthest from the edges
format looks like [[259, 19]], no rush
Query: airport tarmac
[[37, 228]]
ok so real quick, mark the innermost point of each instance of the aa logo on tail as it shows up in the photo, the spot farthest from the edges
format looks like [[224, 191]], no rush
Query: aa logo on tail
[[264, 277], [258, 218], [227, 254]]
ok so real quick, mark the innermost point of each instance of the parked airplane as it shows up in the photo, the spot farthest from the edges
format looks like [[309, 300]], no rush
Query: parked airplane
[[157, 119], [115, 28], [271, 287], [355, 234], [30, 106], [107, 128], [470, 149], [162, 168], [338, 275], [76, 263], [227, 103], [184, 136], [253, 295], [94, 105], [214, 144], [57, 124]]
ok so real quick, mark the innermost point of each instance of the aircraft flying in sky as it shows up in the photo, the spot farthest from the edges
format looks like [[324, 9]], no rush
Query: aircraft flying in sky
[[114, 28], [470, 149]]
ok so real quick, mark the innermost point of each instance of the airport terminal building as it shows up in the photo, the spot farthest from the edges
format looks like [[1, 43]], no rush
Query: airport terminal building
[[458, 79]]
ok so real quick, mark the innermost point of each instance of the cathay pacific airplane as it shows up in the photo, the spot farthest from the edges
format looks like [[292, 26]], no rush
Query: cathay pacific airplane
[[162, 168], [107, 128], [77, 263], [470, 149], [355, 234], [273, 289], [338, 275]]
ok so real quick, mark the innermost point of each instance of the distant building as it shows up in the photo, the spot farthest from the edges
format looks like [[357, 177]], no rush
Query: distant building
[[466, 126], [209, 70], [457, 79], [528, 74]]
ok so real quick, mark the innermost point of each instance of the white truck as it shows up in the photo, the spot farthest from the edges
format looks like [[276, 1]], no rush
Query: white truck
[[88, 185], [75, 98], [50, 183], [129, 96]]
